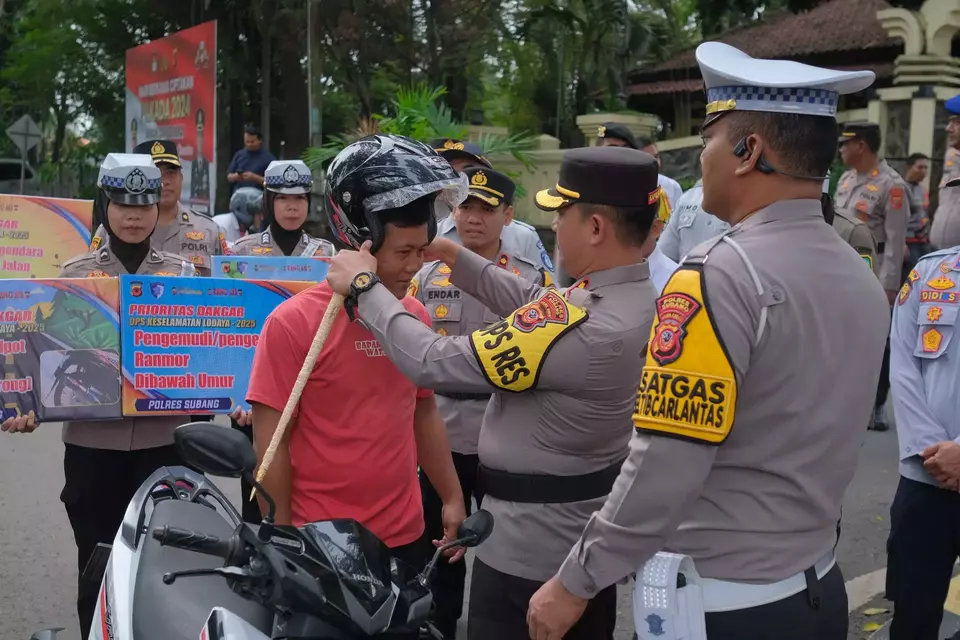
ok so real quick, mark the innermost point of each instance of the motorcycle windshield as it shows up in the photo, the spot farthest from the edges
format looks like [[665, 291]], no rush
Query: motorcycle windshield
[[359, 559]]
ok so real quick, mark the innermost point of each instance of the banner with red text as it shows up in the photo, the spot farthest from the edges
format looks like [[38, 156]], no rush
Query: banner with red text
[[171, 95]]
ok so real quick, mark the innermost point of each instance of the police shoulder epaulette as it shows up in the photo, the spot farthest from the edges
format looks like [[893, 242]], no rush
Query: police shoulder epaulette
[[939, 254], [524, 260], [524, 225], [80, 258], [166, 255]]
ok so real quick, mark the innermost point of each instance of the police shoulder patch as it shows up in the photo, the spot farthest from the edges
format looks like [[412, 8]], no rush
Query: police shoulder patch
[[511, 352], [688, 388]]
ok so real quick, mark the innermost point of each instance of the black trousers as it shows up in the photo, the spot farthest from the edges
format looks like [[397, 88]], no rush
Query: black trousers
[[498, 608], [98, 485], [924, 542], [793, 618], [448, 582], [249, 508]]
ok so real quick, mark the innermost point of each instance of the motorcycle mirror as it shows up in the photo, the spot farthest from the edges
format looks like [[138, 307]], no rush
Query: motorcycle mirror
[[215, 450], [475, 529]]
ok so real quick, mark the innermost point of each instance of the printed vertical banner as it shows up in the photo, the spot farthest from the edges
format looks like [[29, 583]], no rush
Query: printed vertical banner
[[187, 343], [172, 95], [37, 235], [60, 343], [271, 268]]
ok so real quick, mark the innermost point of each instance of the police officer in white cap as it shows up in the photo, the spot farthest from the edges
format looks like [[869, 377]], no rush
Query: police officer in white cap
[[104, 462], [286, 203], [760, 373]]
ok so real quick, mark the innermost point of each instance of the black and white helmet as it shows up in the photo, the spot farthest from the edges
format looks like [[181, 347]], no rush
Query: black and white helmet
[[383, 172]]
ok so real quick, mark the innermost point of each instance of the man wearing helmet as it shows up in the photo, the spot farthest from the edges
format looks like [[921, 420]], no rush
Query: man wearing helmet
[[552, 438], [361, 427], [286, 204], [104, 462], [519, 238]]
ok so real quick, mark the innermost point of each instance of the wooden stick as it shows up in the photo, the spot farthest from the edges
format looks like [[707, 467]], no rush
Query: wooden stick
[[336, 303]]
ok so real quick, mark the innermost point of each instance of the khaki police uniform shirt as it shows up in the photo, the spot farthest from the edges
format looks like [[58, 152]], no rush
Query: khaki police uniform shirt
[[879, 199], [126, 434], [456, 313], [191, 235], [563, 368], [263, 244], [945, 230], [858, 236], [748, 424]]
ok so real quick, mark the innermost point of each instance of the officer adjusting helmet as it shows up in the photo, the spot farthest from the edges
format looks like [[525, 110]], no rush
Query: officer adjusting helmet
[[384, 172]]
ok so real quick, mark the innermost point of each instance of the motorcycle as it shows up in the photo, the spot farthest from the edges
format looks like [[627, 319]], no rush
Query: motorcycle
[[185, 565]]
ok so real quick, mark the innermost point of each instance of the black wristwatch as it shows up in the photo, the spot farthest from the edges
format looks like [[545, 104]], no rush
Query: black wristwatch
[[362, 282]]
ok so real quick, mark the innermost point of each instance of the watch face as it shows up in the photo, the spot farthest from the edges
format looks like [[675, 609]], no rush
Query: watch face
[[361, 280]]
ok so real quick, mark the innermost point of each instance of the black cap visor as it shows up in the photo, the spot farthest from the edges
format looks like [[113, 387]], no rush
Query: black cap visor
[[489, 197], [555, 197], [132, 199], [166, 158], [453, 154]]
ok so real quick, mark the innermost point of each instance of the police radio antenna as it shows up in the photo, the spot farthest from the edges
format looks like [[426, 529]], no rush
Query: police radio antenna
[[336, 303]]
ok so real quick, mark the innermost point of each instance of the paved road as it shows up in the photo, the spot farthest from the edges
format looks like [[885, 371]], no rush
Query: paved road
[[37, 561]]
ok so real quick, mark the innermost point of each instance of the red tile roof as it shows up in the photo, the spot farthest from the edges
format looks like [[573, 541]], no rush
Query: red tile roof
[[837, 25]]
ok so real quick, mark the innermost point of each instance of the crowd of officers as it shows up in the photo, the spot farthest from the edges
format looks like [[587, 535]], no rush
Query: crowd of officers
[[750, 338]]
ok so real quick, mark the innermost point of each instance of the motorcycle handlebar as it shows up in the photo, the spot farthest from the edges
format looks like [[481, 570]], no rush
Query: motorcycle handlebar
[[193, 541]]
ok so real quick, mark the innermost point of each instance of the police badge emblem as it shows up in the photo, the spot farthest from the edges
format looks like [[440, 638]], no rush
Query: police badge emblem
[[156, 289], [135, 182], [674, 312], [290, 175], [549, 308]]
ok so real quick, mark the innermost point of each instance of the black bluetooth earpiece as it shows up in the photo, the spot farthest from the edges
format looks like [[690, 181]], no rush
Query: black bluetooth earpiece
[[741, 149], [764, 167]]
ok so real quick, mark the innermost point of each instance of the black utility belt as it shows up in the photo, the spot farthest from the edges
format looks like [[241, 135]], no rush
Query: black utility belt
[[538, 488], [465, 396]]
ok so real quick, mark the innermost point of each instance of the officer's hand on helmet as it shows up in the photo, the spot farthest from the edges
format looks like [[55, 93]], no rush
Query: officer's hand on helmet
[[242, 417], [442, 249], [345, 266], [21, 424]]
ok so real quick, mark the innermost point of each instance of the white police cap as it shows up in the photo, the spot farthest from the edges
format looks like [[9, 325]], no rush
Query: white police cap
[[290, 177], [130, 178], [735, 81]]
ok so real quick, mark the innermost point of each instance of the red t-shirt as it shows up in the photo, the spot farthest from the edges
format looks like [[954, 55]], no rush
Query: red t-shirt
[[352, 450]]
